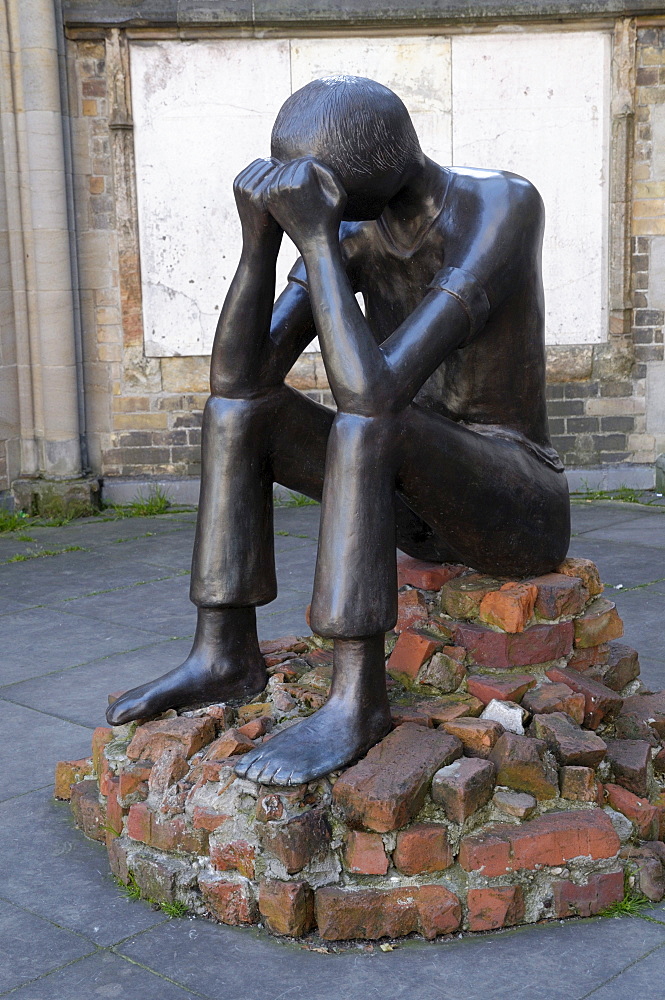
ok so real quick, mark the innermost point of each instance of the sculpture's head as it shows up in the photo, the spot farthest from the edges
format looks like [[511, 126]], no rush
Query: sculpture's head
[[358, 128]]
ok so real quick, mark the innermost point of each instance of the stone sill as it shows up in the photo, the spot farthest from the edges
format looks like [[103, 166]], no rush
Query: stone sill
[[330, 13]]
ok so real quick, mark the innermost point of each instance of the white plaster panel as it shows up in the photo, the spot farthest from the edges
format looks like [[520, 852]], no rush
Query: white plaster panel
[[658, 142], [538, 104], [657, 273], [656, 397]]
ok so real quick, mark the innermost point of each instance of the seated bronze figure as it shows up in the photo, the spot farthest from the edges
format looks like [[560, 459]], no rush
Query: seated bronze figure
[[439, 444]]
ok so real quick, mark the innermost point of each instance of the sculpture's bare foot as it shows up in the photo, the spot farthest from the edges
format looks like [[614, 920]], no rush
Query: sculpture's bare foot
[[225, 663], [329, 739], [355, 717]]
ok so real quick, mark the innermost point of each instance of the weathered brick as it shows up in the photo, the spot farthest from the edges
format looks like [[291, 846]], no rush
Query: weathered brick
[[579, 784], [100, 737], [648, 709], [584, 570], [236, 855], [548, 698], [283, 644], [510, 607], [425, 575], [423, 848], [503, 687], [401, 714], [601, 704], [67, 773], [536, 644], [89, 814], [152, 738], [133, 779], [599, 623], [230, 744], [286, 907], [452, 706], [207, 819], [170, 835], [299, 840], [521, 763], [461, 597], [582, 659], [257, 710], [559, 595], [630, 760], [115, 812], [478, 736], [412, 649], [370, 914], [117, 852], [411, 610], [636, 808], [568, 742], [553, 839], [365, 854], [517, 804], [387, 788], [445, 670], [599, 891], [256, 728], [494, 907], [463, 787], [622, 667], [650, 878], [508, 714], [231, 902]]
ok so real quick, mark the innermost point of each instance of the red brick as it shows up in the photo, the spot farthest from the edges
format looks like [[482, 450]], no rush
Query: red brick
[[622, 667], [638, 809], [584, 570], [445, 671], [553, 839], [115, 813], [410, 713], [568, 742], [659, 762], [650, 878], [67, 773], [478, 736], [134, 781], [387, 788], [365, 854], [87, 810], [599, 623], [171, 835], [629, 760], [510, 607], [452, 706], [463, 787], [511, 687], [230, 744], [579, 784], [168, 769], [106, 777], [411, 610], [284, 644], [222, 715], [494, 907], [299, 840], [230, 902], [517, 804], [237, 855], [412, 649], [100, 737], [559, 595], [555, 698], [572, 900], [659, 805], [286, 907], [425, 575], [582, 659], [521, 763], [601, 704], [648, 709], [536, 644], [152, 738], [422, 849], [206, 819], [117, 852], [256, 728], [370, 914], [461, 597]]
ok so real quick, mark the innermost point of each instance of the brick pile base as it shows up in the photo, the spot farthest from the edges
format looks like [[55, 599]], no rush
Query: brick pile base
[[524, 778]]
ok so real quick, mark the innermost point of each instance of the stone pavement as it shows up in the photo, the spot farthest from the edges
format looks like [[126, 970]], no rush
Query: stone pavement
[[113, 612]]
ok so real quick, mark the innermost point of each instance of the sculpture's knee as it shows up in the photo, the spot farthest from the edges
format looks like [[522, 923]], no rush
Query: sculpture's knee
[[359, 443], [237, 421]]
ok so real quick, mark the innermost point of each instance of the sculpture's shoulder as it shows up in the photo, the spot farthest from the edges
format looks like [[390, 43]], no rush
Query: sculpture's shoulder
[[498, 193]]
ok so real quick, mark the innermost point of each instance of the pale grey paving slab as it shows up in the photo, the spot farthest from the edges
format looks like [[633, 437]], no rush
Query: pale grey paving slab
[[31, 744], [629, 565], [8, 606], [644, 980], [34, 946], [161, 606], [652, 672], [51, 869], [601, 515], [563, 961], [643, 614], [103, 975], [80, 695], [42, 640], [646, 529]]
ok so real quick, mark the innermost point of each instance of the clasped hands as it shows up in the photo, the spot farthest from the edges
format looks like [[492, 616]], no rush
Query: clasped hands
[[302, 198]]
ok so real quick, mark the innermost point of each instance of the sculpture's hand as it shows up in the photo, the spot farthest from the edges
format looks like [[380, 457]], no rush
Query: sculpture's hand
[[307, 200], [260, 230]]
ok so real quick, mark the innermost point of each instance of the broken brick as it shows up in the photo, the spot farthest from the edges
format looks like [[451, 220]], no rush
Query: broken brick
[[236, 855], [648, 709], [207, 819], [582, 659], [232, 743], [170, 835], [67, 773], [452, 706], [599, 892], [517, 804], [256, 728], [536, 644], [371, 914], [463, 787], [365, 854], [445, 670], [231, 902], [568, 742], [286, 907], [650, 878], [425, 575], [494, 907], [636, 808], [584, 570], [462, 596], [521, 763], [559, 595], [89, 814], [246, 713], [547, 698], [411, 609], [510, 607], [400, 714], [412, 649], [478, 736], [153, 738], [630, 761], [386, 789], [622, 667], [599, 623], [422, 849], [100, 737], [601, 704], [578, 783], [299, 840], [284, 644], [503, 687]]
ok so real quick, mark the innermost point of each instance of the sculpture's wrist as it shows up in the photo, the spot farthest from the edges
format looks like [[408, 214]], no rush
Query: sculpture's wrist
[[320, 244]]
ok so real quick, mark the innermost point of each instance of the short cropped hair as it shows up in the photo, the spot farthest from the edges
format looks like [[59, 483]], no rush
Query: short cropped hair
[[354, 125]]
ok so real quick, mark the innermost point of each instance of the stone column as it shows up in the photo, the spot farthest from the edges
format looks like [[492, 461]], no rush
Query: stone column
[[38, 272]]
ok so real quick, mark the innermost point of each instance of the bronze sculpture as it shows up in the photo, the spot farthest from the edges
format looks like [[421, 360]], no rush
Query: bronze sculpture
[[440, 441]]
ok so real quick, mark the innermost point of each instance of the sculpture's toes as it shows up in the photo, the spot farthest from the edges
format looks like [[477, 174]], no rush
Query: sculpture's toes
[[251, 764], [127, 707]]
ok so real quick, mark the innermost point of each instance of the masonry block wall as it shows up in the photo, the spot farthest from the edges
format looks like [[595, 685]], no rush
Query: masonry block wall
[[606, 401]]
